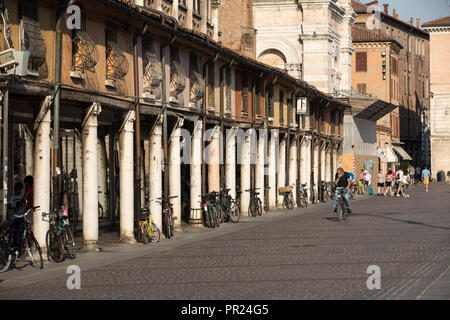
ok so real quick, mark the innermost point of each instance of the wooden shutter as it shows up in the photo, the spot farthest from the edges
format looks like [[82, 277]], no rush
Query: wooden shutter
[[361, 62]]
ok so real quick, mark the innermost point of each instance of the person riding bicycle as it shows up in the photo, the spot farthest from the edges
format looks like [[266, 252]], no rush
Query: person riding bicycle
[[342, 180]]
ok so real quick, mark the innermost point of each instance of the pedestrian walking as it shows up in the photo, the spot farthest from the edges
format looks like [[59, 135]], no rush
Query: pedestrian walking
[[361, 182], [418, 175], [398, 177], [367, 181], [390, 176], [401, 178], [411, 173], [406, 183], [381, 178], [426, 177]]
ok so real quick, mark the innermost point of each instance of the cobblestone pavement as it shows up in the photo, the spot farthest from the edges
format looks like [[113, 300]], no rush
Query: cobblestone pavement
[[299, 256]]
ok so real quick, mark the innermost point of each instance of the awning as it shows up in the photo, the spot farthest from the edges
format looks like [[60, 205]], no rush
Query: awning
[[376, 110], [387, 155], [402, 153]]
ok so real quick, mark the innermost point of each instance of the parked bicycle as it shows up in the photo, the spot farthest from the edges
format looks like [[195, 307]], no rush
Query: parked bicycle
[[168, 223], [146, 230], [353, 190], [324, 189], [255, 205], [59, 238], [288, 198], [210, 210], [11, 251], [303, 196], [314, 197], [330, 189], [342, 211], [227, 205]]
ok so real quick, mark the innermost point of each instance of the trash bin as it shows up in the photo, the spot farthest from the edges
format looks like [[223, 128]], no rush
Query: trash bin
[[440, 176]]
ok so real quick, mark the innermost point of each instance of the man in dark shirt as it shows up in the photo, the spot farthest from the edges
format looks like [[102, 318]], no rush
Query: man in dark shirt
[[342, 180]]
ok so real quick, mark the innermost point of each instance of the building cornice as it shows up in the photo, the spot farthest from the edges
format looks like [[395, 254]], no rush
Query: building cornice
[[443, 29]]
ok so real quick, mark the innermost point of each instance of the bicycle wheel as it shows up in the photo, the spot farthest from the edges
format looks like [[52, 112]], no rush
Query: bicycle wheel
[[35, 251], [55, 246], [166, 225], [259, 206], [325, 195], [235, 213], [69, 242], [5, 252], [252, 208], [144, 233], [215, 216], [205, 212], [5, 260], [155, 234], [339, 214]]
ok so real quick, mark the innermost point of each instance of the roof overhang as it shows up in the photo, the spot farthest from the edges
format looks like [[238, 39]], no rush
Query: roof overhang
[[376, 110]]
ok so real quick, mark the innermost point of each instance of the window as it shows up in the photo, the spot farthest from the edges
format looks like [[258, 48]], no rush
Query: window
[[210, 87], [258, 98], [31, 36], [196, 6], [177, 75], [281, 106], [152, 75], [116, 62], [361, 87], [244, 86], [361, 62], [228, 89], [269, 101], [196, 82], [84, 50]]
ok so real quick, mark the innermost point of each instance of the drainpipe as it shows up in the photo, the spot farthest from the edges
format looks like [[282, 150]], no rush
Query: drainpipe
[[204, 122], [222, 108], [57, 103], [138, 163], [164, 108], [5, 153]]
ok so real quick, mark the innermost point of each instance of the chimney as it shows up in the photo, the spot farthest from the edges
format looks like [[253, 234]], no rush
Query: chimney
[[393, 13], [411, 22], [386, 8], [418, 23]]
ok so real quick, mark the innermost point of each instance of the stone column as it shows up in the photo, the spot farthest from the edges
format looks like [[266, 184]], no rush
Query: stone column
[[308, 169], [79, 167], [196, 174], [41, 169], [245, 174], [293, 168], [90, 179], [175, 175], [28, 153], [316, 166], [260, 160], [102, 162], [328, 165], [126, 179], [214, 161], [303, 162], [281, 171], [335, 160], [273, 158], [322, 163], [230, 166], [155, 174]]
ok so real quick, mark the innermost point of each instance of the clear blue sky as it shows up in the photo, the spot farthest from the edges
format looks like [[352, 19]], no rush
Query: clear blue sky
[[425, 10]]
